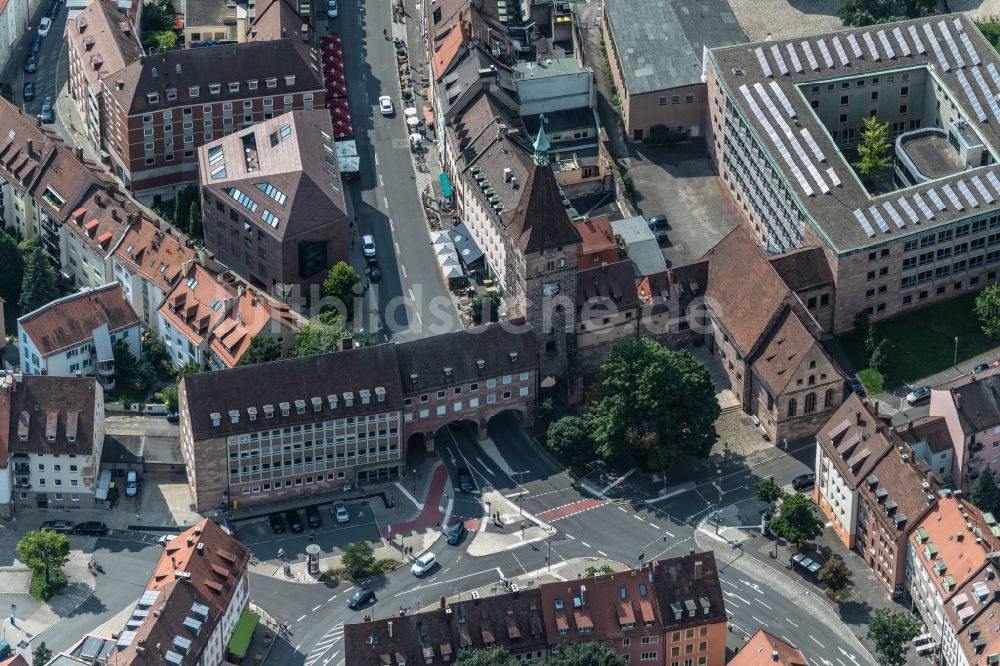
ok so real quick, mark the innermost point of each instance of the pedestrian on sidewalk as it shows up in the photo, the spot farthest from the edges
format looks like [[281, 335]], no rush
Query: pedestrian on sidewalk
[[784, 443]]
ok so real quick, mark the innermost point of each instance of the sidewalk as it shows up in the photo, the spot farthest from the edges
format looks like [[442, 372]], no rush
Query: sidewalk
[[516, 528]]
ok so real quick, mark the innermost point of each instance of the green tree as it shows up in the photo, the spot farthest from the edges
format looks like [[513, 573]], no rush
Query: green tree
[[343, 283], [321, 335], [189, 368], [837, 576], [881, 356], [359, 559], [988, 310], [869, 12], [11, 272], [194, 226], [485, 307], [891, 633], [156, 17], [797, 520], [168, 394], [570, 439], [262, 349], [585, 654], [872, 338], [653, 404], [768, 490], [491, 657], [38, 285], [596, 571], [162, 41], [874, 151], [984, 493], [44, 551], [41, 655]]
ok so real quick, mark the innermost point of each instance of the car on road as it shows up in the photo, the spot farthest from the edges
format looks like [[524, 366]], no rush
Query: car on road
[[342, 514], [456, 532], [331, 9], [385, 105], [61, 526], [132, 483], [46, 115], [465, 480], [312, 516], [5, 650], [91, 528], [277, 523], [360, 598], [30, 64], [294, 520], [36, 43], [423, 564], [803, 481], [658, 225], [28, 91], [368, 245], [916, 396], [856, 386], [373, 271], [982, 367], [173, 417], [54, 9], [165, 539], [44, 26]]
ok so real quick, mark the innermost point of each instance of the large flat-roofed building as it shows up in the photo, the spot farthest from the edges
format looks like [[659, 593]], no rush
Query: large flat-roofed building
[[786, 119], [656, 52]]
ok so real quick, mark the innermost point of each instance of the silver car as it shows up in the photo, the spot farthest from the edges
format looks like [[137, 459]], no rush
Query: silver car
[[342, 514]]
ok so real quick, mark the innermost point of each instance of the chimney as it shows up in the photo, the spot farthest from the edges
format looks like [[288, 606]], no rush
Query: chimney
[[859, 419], [699, 567], [31, 150], [958, 399], [389, 627], [346, 343], [114, 213], [774, 655], [79, 153]]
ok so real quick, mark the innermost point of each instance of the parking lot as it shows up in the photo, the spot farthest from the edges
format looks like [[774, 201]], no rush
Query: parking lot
[[680, 183]]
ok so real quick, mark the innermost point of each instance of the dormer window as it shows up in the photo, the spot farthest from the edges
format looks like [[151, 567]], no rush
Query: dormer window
[[300, 406], [153, 98], [171, 94], [194, 91], [268, 411], [252, 84], [154, 72], [285, 408], [290, 80], [214, 88], [216, 419], [272, 82], [234, 87]]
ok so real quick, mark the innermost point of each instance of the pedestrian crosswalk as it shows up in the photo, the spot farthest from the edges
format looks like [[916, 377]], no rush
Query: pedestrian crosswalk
[[319, 655]]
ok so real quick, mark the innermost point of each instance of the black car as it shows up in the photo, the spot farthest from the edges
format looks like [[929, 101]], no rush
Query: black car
[[91, 528], [173, 417], [277, 523], [465, 480], [857, 386], [28, 91], [804, 481], [360, 598], [312, 516], [30, 64], [982, 367], [373, 271], [61, 526], [294, 521], [456, 532]]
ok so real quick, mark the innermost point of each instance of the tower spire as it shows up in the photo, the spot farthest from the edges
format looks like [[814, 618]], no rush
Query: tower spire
[[541, 144]]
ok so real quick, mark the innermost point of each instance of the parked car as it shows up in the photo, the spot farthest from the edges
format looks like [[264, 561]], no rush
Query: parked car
[[342, 514], [28, 91], [465, 480], [312, 516], [44, 26], [918, 395], [806, 563], [658, 225], [61, 526], [803, 481], [46, 115], [856, 386], [982, 367], [277, 523], [360, 598], [91, 528], [294, 520], [456, 532], [373, 271], [173, 417], [5, 650], [30, 64], [423, 564], [331, 9], [368, 245], [36, 43], [132, 483], [385, 105]]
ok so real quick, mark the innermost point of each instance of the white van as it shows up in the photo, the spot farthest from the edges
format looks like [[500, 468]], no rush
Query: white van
[[131, 483]]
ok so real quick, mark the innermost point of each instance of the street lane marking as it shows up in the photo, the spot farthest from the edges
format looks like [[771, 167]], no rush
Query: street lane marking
[[763, 604], [349, 589], [332, 598], [734, 595], [571, 537], [655, 526], [670, 534], [791, 623], [735, 587], [446, 571], [397, 247], [840, 662], [402, 269], [622, 509], [410, 291], [760, 621], [376, 159], [638, 517], [381, 182], [587, 545], [385, 200], [302, 618], [602, 553], [317, 608], [817, 642], [733, 604]]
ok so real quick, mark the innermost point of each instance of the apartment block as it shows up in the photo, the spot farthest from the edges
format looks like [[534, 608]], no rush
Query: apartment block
[[766, 649], [89, 238], [970, 407]]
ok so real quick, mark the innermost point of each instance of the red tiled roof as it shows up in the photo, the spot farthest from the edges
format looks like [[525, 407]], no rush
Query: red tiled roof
[[154, 253], [764, 649], [70, 321]]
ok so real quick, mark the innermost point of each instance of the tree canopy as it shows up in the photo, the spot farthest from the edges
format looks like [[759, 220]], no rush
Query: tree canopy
[[874, 151], [359, 559], [570, 439], [493, 657], [988, 310], [891, 633], [797, 520], [585, 654], [654, 404], [11, 273], [869, 12], [485, 307], [767, 490], [343, 283], [984, 492], [38, 284], [837, 576], [44, 550], [262, 349]]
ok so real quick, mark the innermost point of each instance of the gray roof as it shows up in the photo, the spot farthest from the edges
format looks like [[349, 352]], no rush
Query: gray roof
[[660, 42], [643, 249], [977, 401], [207, 12], [834, 215]]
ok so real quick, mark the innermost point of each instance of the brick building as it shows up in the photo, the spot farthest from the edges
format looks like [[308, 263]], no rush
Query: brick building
[[272, 204]]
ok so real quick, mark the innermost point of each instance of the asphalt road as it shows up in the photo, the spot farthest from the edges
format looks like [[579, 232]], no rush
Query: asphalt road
[[52, 64], [412, 299]]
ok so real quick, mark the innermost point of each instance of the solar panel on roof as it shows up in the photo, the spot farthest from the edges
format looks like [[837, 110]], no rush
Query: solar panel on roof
[[994, 181], [812, 144], [925, 209], [863, 221], [952, 197], [832, 175], [762, 59], [775, 137], [825, 52], [886, 46], [794, 57], [893, 215], [809, 56], [855, 47], [952, 46], [916, 40], [879, 220], [966, 42], [991, 68], [904, 48], [839, 48], [814, 172], [870, 43], [937, 47], [935, 199], [963, 189], [985, 89], [971, 94], [780, 94], [776, 54], [908, 209], [984, 192]]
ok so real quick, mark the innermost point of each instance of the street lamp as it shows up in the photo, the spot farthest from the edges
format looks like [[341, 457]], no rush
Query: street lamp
[[413, 477], [955, 361]]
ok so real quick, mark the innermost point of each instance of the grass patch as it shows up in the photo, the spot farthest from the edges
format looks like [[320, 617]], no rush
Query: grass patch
[[923, 341], [874, 382], [340, 573], [991, 31], [57, 581]]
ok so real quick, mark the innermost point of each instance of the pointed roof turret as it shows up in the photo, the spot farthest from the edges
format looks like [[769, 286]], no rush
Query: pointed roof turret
[[541, 144]]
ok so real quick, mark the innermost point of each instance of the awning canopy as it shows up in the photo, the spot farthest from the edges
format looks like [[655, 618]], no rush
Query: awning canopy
[[243, 634], [445, 184], [466, 247]]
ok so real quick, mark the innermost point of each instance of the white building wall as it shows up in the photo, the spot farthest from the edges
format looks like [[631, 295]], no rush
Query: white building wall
[[182, 350], [13, 22], [214, 651], [143, 295], [926, 599], [951, 652], [836, 492], [68, 362]]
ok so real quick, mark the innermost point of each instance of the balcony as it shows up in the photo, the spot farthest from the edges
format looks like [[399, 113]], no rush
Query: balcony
[[105, 368], [21, 468]]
